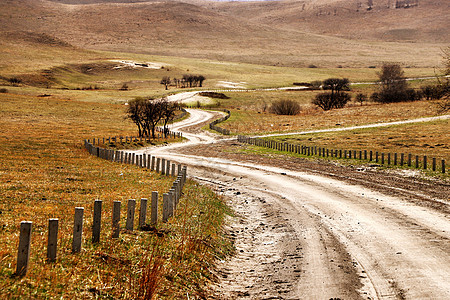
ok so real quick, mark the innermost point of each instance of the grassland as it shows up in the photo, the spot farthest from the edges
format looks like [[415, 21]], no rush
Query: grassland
[[430, 138], [46, 173], [257, 121]]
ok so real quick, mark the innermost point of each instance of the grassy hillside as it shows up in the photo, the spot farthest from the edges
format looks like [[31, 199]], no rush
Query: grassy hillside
[[46, 173], [240, 32]]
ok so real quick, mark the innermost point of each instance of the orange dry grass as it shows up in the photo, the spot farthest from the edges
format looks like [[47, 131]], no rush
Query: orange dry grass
[[45, 173]]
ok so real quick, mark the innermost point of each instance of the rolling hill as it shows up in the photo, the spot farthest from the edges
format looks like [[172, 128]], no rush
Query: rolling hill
[[286, 33]]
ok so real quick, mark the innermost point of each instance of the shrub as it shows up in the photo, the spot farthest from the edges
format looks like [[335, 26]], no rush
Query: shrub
[[3, 90], [213, 95], [392, 95], [434, 92], [285, 107], [328, 101], [15, 80], [393, 86], [361, 98]]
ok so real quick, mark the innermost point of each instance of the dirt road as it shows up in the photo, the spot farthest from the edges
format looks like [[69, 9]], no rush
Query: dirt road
[[303, 233]]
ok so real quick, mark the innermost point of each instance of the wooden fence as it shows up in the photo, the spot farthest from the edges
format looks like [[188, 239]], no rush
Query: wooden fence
[[130, 139], [394, 159], [221, 130], [170, 199]]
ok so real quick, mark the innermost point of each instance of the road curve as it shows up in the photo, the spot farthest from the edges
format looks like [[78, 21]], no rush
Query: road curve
[[303, 236]]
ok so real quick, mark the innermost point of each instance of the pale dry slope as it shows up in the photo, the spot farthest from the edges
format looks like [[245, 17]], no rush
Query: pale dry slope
[[191, 30]]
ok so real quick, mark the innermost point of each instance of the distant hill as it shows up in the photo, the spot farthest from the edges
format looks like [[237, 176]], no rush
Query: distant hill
[[289, 33], [387, 20]]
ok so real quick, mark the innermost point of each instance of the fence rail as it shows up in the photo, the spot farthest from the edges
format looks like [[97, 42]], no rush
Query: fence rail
[[394, 159], [221, 130]]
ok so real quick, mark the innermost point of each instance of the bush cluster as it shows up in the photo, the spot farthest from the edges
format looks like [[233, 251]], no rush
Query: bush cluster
[[285, 107]]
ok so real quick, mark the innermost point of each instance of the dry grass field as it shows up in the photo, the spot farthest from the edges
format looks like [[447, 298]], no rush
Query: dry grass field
[[61, 83], [311, 118], [429, 138], [45, 173]]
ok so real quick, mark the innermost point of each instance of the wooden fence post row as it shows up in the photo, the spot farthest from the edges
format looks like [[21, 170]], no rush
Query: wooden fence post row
[[170, 203], [130, 139], [383, 158], [160, 165]]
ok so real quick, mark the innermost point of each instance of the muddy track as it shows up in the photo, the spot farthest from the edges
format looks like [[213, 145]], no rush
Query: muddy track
[[314, 230]]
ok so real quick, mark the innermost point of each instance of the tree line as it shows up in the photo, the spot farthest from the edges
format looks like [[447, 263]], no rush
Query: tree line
[[188, 80], [147, 113]]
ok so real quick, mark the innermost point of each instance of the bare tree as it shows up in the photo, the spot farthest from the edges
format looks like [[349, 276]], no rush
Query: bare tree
[[337, 98], [393, 85], [168, 110], [135, 111], [146, 113], [154, 113], [444, 105], [361, 98], [166, 81]]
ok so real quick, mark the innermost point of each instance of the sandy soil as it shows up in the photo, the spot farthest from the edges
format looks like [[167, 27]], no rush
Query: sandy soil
[[308, 229]]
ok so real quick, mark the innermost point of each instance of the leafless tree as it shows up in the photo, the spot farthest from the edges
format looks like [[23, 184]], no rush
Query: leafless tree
[[166, 81], [337, 98], [168, 113]]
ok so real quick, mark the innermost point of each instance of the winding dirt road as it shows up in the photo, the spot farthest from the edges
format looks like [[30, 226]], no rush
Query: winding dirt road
[[300, 234]]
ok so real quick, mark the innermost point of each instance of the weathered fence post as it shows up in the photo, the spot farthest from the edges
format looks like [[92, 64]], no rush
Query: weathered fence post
[[409, 159], [173, 170], [395, 159], [77, 229], [389, 158], [143, 212], [153, 163], [149, 163], [23, 253], [434, 164], [171, 202], [154, 207], [168, 168], [424, 162], [52, 243], [158, 160], [97, 222], [166, 200], [163, 166], [116, 219], [130, 214], [443, 166], [417, 161], [382, 158]]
